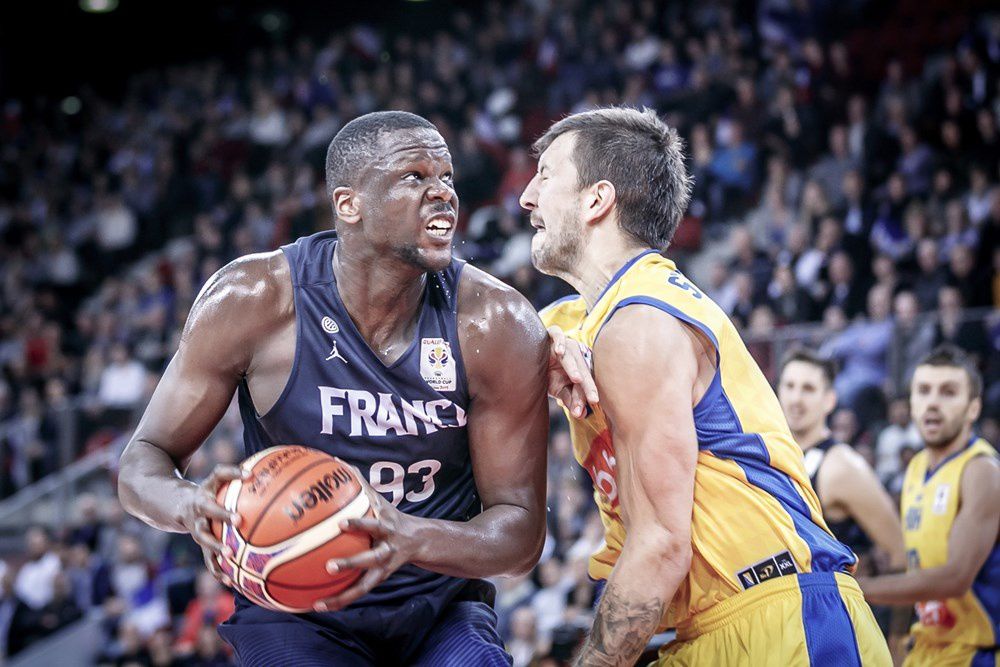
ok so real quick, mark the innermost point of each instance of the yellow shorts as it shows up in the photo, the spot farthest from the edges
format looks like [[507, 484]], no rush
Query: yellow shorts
[[932, 654], [815, 619]]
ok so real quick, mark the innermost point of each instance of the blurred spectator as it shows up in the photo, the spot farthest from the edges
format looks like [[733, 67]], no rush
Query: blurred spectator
[[523, 644], [952, 327], [211, 606], [829, 173], [122, 381], [36, 579], [931, 277], [844, 290], [549, 602], [899, 433], [861, 349], [912, 339], [61, 610]]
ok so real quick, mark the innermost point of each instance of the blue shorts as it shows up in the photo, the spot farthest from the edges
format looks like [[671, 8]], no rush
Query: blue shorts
[[419, 631]]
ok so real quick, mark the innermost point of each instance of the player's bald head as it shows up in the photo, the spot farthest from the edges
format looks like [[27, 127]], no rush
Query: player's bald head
[[357, 143]]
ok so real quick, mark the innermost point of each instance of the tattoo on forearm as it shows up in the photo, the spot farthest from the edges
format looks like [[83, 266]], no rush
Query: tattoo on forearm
[[622, 628]]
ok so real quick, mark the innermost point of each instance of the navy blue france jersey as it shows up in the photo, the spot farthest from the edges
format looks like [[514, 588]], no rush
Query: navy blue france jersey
[[403, 425]]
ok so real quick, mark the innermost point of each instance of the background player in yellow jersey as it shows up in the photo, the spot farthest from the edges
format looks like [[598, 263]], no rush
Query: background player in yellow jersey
[[951, 516], [711, 525]]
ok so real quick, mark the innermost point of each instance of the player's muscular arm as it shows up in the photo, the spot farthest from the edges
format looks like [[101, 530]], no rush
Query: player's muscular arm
[[235, 308], [972, 536], [646, 367], [849, 482]]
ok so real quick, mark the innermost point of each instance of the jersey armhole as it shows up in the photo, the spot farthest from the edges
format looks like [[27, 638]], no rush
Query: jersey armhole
[[715, 386], [298, 344]]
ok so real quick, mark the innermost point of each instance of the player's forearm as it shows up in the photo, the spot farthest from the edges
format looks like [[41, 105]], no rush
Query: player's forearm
[[502, 540], [934, 583], [150, 487], [632, 606]]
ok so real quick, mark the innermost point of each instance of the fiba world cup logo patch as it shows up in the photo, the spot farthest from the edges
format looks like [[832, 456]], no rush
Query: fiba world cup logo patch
[[437, 365]]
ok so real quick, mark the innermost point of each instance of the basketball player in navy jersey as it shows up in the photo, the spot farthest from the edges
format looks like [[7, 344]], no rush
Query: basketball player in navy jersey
[[857, 509], [372, 344]]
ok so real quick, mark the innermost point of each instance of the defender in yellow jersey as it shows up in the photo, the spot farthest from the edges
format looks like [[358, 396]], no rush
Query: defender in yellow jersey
[[711, 525], [950, 508]]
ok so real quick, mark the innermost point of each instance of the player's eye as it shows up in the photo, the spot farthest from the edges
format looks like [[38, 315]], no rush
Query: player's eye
[[411, 175]]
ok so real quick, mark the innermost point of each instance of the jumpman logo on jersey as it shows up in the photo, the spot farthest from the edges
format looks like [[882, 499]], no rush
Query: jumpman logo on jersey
[[334, 354]]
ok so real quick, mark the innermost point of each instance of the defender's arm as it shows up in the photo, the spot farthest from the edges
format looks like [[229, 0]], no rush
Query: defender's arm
[[646, 366]]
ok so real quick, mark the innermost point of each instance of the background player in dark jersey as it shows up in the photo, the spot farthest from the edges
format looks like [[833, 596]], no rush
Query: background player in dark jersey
[[856, 507], [468, 475]]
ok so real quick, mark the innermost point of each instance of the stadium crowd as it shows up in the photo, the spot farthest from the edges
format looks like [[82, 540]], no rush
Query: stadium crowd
[[867, 205]]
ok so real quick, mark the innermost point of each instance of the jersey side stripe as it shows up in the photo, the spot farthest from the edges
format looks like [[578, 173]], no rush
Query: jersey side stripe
[[726, 439]]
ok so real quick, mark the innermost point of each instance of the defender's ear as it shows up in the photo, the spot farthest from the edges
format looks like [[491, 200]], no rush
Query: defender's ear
[[345, 205], [598, 201]]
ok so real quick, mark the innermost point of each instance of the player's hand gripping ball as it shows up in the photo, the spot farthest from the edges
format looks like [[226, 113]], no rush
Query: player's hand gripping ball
[[291, 507]]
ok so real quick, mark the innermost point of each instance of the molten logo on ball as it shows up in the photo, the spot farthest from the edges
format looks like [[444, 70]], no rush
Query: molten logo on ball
[[319, 491]]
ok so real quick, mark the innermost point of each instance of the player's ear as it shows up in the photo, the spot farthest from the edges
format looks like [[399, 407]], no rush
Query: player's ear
[[598, 200], [830, 401], [345, 205], [974, 409]]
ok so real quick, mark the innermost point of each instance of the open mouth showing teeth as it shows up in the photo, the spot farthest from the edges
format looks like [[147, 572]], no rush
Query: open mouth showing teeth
[[438, 227]]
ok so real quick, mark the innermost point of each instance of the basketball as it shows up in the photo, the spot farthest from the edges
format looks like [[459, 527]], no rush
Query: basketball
[[291, 509]]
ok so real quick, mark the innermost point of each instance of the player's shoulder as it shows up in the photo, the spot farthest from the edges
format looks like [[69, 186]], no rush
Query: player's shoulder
[[841, 452], [844, 464], [983, 464], [493, 313], [253, 291], [565, 312], [657, 282], [483, 295]]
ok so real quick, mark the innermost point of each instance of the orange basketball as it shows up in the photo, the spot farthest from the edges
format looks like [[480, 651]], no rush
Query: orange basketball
[[291, 509]]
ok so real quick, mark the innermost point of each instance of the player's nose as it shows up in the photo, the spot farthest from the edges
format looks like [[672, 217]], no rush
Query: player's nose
[[441, 191], [527, 199]]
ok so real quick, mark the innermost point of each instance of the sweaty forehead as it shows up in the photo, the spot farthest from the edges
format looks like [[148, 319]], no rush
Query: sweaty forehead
[[410, 144]]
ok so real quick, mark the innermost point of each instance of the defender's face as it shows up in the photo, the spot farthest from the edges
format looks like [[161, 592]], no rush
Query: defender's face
[[941, 404], [552, 200], [805, 396], [408, 202]]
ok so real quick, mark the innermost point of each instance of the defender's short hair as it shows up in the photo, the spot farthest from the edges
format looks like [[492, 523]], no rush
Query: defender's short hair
[[354, 145], [641, 156], [954, 357], [805, 355]]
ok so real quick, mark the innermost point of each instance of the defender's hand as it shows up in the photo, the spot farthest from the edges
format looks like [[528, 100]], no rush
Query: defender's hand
[[200, 507], [394, 543], [571, 381]]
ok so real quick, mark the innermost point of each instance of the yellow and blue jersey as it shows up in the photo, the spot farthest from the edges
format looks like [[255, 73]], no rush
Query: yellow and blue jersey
[[929, 504], [756, 517]]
